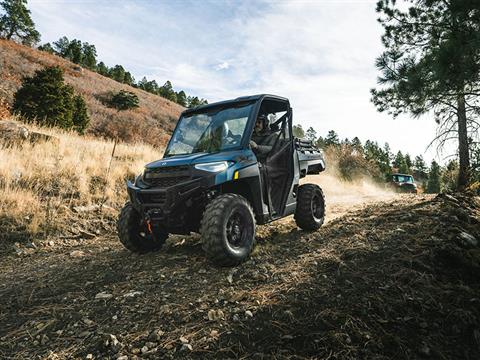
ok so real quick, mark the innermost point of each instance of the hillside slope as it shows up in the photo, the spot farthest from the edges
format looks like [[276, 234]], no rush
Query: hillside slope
[[392, 280], [152, 122]]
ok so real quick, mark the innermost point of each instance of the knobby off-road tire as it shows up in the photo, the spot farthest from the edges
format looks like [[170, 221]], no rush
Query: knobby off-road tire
[[133, 233], [310, 211], [228, 229]]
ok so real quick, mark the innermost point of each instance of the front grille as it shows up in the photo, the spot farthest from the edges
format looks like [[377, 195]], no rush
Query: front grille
[[168, 181], [156, 198], [167, 176]]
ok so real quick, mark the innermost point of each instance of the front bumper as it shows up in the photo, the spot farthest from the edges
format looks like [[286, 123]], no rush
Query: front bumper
[[176, 208]]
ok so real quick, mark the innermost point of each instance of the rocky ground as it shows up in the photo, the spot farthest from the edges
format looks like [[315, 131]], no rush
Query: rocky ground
[[391, 279]]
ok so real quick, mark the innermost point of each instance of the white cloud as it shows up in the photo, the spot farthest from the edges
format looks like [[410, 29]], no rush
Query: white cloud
[[222, 66], [319, 54]]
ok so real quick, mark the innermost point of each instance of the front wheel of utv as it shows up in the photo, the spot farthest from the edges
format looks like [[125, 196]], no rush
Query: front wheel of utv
[[310, 211], [228, 229], [134, 234]]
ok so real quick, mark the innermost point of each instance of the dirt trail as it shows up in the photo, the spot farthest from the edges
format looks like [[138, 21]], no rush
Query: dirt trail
[[342, 197], [387, 279]]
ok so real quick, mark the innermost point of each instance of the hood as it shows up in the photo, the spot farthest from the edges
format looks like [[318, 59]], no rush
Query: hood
[[186, 160]]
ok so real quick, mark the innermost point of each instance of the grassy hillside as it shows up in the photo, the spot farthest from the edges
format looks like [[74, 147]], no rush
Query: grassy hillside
[[150, 123], [54, 186]]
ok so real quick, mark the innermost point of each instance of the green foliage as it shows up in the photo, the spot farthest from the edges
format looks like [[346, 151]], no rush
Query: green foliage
[[124, 100], [182, 98], [167, 91], [431, 63], [449, 176], [80, 114], [83, 54], [332, 139], [45, 98], [311, 134], [16, 23], [400, 163], [195, 101], [47, 48], [298, 131], [420, 167], [433, 184]]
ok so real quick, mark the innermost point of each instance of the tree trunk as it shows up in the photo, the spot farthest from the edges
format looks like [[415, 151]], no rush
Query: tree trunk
[[463, 153]]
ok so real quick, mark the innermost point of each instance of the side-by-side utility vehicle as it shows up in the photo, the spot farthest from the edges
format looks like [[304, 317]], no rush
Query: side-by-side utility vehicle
[[227, 167]]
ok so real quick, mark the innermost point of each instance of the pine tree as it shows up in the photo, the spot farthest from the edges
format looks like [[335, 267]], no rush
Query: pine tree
[[80, 116], [357, 144], [47, 48], [124, 100], [117, 73], [46, 98], [128, 79], [332, 139], [298, 131], [433, 184], [89, 56], [419, 166], [182, 98], [400, 163], [16, 23], [61, 46], [311, 134], [432, 63], [103, 69]]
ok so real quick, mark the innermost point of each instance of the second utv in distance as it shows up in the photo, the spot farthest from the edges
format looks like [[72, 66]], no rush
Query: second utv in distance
[[227, 167]]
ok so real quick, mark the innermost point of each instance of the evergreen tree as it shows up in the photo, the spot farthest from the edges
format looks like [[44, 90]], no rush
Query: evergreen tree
[[61, 46], [16, 23], [45, 97], [357, 144], [128, 79], [298, 131], [167, 91], [408, 162], [432, 63], [47, 48], [433, 184], [332, 139], [117, 73], [124, 100], [74, 52], [311, 134], [193, 101], [89, 56], [419, 166], [103, 69], [80, 116], [320, 143], [400, 163], [182, 98]]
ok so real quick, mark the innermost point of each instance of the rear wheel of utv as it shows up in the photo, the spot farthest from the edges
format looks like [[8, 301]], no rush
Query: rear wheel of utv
[[134, 234], [228, 229], [310, 211]]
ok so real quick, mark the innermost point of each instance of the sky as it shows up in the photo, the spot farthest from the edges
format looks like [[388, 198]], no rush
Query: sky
[[319, 53]]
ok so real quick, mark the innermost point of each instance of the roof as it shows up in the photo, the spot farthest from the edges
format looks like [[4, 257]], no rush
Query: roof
[[232, 101], [398, 174]]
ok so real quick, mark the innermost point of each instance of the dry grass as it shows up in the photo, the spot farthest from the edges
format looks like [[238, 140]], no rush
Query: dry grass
[[41, 183], [152, 122]]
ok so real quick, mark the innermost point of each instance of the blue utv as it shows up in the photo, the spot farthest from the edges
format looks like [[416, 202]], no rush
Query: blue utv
[[228, 166]]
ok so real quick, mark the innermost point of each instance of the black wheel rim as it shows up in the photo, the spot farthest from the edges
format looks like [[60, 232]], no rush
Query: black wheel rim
[[317, 207], [235, 229]]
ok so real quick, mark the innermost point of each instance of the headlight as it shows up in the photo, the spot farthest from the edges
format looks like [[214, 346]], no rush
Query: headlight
[[218, 166]]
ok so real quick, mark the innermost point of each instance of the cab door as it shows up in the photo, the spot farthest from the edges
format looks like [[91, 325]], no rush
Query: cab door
[[279, 164]]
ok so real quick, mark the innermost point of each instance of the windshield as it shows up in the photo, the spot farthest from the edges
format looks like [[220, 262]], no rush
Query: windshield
[[212, 131], [403, 179]]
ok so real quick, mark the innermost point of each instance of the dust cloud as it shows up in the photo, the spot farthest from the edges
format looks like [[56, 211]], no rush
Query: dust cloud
[[342, 196]]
